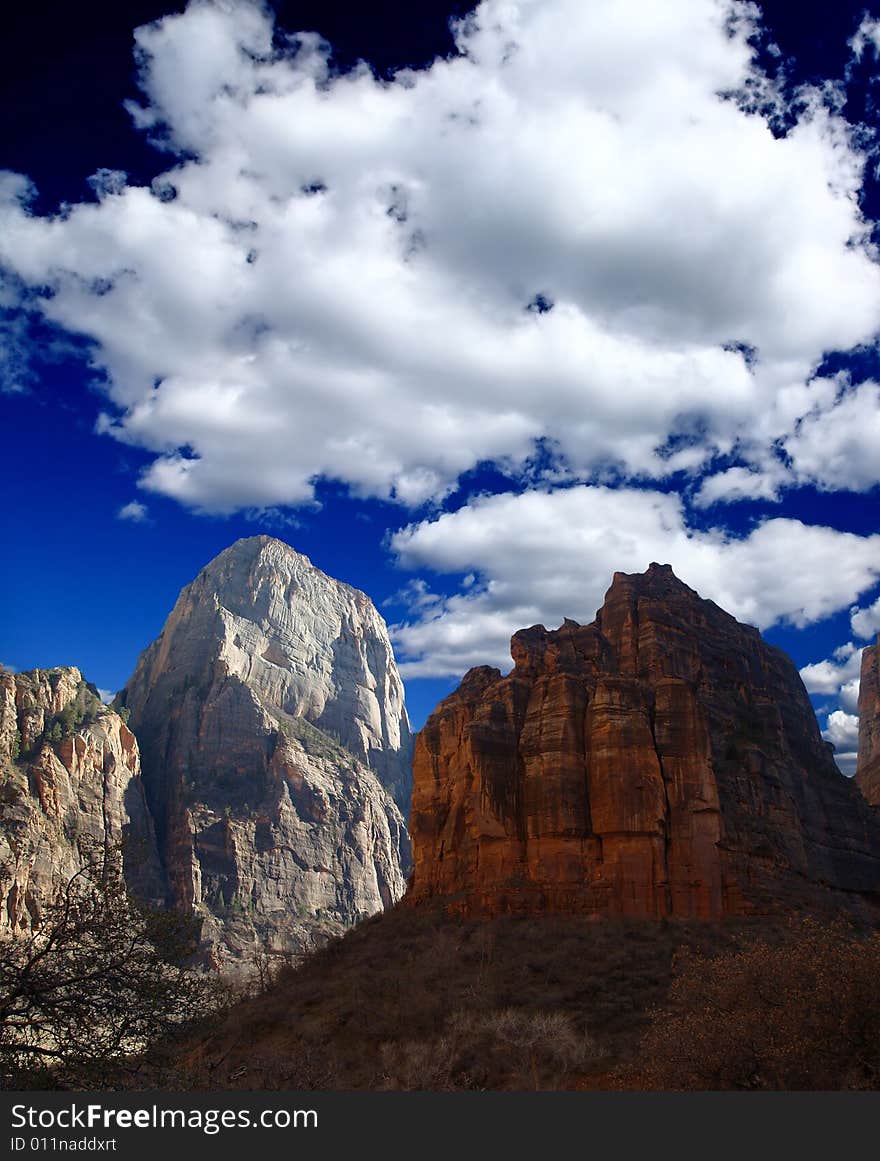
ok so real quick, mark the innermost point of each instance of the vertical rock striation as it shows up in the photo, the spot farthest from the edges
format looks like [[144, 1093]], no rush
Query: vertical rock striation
[[274, 737], [663, 761], [70, 788], [868, 772]]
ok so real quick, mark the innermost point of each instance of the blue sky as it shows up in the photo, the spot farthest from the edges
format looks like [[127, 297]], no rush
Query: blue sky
[[551, 290]]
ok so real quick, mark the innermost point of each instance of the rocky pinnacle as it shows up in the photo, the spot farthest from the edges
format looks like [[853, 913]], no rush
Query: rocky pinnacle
[[275, 741]]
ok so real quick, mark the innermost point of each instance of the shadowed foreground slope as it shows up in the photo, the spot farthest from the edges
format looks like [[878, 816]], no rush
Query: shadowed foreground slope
[[422, 1000]]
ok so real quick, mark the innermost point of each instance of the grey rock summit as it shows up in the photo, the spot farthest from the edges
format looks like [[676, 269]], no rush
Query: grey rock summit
[[274, 742]]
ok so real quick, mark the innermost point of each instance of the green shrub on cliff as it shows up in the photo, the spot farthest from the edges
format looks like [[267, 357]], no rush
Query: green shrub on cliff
[[84, 708]]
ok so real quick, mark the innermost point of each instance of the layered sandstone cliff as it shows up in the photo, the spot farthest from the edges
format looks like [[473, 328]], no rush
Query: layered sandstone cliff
[[662, 761], [271, 722], [70, 789], [868, 772]]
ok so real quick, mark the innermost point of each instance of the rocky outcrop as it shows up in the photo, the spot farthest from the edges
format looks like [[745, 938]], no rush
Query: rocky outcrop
[[868, 771], [662, 761], [70, 789], [273, 732]]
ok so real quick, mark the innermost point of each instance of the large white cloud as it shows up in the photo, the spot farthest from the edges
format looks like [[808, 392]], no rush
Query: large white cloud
[[333, 277], [543, 556]]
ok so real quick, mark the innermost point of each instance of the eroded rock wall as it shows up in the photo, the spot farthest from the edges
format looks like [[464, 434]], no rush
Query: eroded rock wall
[[868, 772], [663, 761], [70, 789]]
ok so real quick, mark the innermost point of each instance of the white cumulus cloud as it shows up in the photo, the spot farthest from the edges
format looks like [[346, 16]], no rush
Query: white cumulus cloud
[[866, 622], [333, 277], [842, 730], [839, 447], [836, 673], [868, 33], [543, 556], [837, 677]]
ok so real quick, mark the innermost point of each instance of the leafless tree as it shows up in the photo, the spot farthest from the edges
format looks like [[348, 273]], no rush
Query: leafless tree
[[99, 979]]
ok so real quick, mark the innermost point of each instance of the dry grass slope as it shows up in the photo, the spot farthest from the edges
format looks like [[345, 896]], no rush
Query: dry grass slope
[[416, 999]]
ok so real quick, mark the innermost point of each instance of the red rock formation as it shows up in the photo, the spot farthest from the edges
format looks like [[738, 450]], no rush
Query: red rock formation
[[868, 773], [663, 761]]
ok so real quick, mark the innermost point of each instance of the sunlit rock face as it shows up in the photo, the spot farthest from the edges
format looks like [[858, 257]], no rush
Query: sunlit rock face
[[275, 740], [70, 790], [868, 771], [662, 761]]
